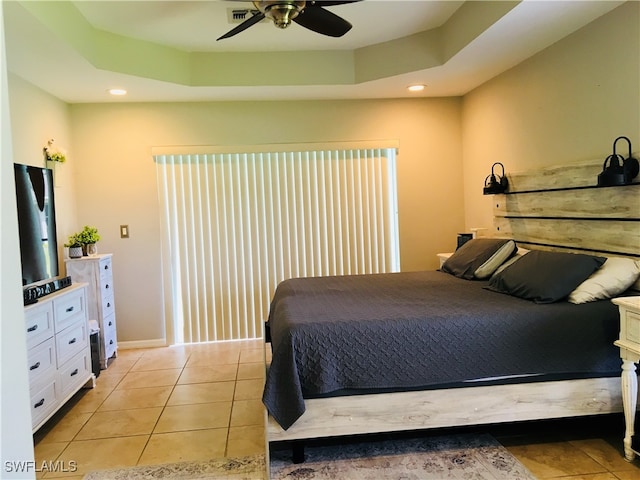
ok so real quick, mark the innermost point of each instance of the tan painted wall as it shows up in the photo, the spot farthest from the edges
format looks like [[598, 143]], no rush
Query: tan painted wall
[[37, 117], [116, 175], [566, 104]]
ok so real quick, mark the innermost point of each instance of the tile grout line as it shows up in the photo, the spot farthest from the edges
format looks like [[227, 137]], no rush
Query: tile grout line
[[173, 387], [233, 401], [73, 439]]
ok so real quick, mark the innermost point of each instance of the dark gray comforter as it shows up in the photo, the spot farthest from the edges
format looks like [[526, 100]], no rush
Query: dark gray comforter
[[422, 329]]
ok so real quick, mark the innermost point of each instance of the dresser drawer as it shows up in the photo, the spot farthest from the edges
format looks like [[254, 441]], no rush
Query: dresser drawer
[[68, 309], [105, 270], [44, 400], [41, 360], [106, 289], [109, 326], [108, 305], [39, 323], [74, 373], [109, 336], [631, 328], [71, 341]]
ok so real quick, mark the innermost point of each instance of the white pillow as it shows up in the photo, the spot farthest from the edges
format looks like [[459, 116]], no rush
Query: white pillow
[[614, 277]]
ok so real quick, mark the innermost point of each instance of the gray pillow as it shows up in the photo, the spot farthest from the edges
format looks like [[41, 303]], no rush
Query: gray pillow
[[479, 257], [545, 277]]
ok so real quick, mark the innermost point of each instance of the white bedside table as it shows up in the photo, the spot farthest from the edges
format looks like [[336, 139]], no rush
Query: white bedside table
[[443, 258], [629, 344]]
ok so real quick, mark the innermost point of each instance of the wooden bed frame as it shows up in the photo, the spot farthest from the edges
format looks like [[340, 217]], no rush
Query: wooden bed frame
[[557, 208], [395, 412]]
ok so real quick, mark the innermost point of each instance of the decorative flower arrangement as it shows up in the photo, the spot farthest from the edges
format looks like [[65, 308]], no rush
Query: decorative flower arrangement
[[54, 154]]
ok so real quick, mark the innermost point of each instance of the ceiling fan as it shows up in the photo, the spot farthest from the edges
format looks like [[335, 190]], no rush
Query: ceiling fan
[[309, 14]]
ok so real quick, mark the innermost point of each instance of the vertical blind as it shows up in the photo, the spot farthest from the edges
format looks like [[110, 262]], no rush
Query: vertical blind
[[236, 224]]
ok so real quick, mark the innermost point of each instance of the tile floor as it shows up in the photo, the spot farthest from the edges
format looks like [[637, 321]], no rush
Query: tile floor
[[570, 449], [161, 405], [202, 401]]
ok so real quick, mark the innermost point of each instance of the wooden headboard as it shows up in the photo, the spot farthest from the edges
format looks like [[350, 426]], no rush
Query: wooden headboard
[[562, 208]]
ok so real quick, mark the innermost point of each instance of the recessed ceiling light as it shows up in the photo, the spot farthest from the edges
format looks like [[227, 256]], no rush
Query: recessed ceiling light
[[117, 91], [415, 88]]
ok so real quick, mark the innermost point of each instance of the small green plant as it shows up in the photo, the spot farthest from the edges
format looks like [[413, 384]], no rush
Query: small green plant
[[73, 241], [86, 236], [89, 235], [57, 157]]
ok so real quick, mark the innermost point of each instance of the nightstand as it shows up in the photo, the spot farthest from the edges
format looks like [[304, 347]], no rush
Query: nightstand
[[443, 258], [629, 344]]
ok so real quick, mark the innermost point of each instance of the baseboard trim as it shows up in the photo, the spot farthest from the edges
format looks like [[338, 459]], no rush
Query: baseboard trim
[[157, 342]]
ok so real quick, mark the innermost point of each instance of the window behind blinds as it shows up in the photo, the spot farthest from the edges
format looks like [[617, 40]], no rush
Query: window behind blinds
[[236, 224]]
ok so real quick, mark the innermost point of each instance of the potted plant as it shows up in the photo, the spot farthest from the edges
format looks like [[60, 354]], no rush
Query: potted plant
[[85, 240], [89, 236], [75, 246]]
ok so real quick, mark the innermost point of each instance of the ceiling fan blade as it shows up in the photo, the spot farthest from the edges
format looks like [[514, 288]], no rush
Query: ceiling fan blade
[[243, 26], [322, 21]]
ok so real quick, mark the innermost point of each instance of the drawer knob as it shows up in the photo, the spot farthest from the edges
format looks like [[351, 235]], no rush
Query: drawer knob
[[73, 340], [106, 267], [106, 286], [39, 404], [33, 367], [75, 372], [70, 309], [32, 329], [110, 342], [108, 304], [110, 323]]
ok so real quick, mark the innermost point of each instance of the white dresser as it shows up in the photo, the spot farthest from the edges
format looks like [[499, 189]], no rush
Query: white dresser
[[97, 273], [59, 356]]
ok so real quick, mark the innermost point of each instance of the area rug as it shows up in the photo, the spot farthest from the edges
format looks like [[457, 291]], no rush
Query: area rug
[[244, 468], [468, 456]]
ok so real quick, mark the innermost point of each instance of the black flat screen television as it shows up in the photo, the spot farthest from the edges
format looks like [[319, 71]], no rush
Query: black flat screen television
[[36, 223]]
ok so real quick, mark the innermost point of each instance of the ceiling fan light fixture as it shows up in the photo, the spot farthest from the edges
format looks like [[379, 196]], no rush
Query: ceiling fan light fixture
[[281, 12], [308, 14]]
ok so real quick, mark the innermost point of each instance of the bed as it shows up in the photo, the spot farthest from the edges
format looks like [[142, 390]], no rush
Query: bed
[[415, 350]]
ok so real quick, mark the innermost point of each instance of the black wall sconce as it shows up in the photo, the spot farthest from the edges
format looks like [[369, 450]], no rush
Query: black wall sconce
[[495, 183], [617, 170]]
